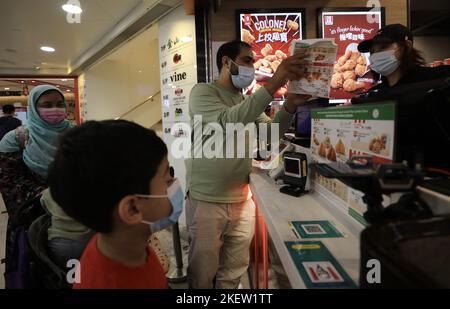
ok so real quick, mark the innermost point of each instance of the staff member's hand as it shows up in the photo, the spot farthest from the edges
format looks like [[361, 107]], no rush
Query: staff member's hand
[[295, 100], [291, 68]]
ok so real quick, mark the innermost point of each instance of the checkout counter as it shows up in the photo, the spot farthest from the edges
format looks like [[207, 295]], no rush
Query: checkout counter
[[277, 211]]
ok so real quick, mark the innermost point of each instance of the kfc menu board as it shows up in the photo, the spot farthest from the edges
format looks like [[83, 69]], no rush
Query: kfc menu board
[[351, 74], [270, 35], [339, 133]]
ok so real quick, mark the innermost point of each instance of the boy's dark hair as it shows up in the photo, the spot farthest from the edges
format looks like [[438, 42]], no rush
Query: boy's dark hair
[[230, 49], [8, 109], [100, 162]]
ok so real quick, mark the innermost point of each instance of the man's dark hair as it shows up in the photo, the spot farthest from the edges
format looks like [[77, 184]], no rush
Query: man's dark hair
[[230, 49], [8, 109], [100, 162]]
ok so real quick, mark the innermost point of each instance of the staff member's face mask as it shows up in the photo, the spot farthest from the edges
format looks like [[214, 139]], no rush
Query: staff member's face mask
[[176, 196], [244, 76], [384, 62]]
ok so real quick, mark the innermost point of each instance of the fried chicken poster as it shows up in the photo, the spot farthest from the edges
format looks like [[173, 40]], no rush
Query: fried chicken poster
[[270, 35], [351, 74]]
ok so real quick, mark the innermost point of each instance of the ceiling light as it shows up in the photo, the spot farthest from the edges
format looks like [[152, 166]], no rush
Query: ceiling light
[[64, 80], [70, 8], [33, 81], [68, 90], [6, 88], [22, 81], [47, 49]]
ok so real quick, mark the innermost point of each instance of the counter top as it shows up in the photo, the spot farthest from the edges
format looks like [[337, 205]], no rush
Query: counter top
[[279, 209]]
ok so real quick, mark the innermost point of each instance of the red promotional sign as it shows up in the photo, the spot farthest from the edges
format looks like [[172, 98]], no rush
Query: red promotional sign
[[352, 73], [270, 35]]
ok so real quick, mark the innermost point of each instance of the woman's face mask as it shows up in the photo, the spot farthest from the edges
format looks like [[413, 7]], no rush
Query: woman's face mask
[[244, 77], [51, 107], [176, 196], [384, 62], [52, 115]]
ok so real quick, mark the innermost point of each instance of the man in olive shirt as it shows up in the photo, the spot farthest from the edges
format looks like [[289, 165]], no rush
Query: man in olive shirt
[[220, 213]]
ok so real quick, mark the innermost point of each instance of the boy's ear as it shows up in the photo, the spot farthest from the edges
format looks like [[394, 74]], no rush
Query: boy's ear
[[129, 211], [225, 61]]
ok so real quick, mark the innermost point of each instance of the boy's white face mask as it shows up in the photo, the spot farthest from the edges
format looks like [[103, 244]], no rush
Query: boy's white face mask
[[176, 196]]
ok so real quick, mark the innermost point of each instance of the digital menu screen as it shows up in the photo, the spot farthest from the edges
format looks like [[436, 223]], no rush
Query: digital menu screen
[[348, 27], [270, 33]]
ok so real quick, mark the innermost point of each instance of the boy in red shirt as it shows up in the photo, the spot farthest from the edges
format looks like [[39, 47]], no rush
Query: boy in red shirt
[[113, 177]]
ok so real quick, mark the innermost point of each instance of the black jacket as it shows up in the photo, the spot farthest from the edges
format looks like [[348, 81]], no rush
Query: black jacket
[[418, 74], [8, 123], [422, 127]]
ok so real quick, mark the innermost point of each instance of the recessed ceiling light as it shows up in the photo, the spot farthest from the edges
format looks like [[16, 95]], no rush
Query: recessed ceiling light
[[47, 49], [70, 8], [6, 88]]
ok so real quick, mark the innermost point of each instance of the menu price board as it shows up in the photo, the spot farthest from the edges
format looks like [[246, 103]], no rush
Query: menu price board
[[348, 27], [338, 133], [270, 34]]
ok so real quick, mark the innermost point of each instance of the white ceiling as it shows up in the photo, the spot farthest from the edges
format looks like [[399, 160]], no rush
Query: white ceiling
[[25, 25], [18, 84]]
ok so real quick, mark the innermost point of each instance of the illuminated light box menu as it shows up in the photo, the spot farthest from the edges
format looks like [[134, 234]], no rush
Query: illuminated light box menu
[[270, 33], [348, 27]]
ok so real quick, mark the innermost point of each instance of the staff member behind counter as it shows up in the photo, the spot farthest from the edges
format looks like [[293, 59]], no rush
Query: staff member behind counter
[[393, 56], [422, 126], [220, 214]]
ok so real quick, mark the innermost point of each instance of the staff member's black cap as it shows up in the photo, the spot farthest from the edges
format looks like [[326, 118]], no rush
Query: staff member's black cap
[[388, 34]]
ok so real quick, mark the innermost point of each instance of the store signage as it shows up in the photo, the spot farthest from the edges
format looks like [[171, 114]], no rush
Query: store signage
[[176, 58], [269, 33], [178, 92], [176, 77], [348, 27]]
